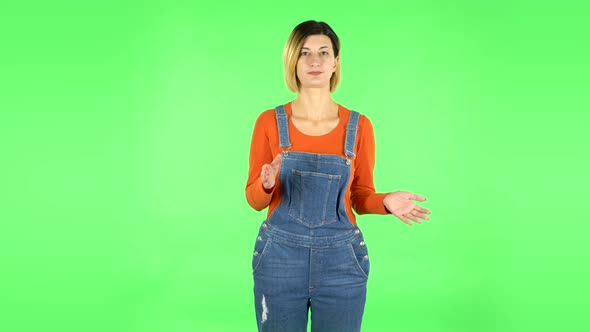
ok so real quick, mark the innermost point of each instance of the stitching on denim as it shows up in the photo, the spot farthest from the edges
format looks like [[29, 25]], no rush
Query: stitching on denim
[[262, 254], [358, 265], [298, 184]]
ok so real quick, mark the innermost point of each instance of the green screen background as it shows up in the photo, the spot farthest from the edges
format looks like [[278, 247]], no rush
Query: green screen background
[[125, 128]]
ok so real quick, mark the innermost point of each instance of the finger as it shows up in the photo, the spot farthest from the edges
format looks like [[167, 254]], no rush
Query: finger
[[418, 198], [421, 215], [266, 179], [276, 163], [421, 209], [410, 216], [403, 218], [264, 172]]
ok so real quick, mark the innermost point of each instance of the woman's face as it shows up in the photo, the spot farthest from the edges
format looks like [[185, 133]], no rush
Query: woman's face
[[316, 62]]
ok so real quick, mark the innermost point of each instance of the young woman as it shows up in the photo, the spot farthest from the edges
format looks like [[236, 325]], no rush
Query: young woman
[[311, 164]]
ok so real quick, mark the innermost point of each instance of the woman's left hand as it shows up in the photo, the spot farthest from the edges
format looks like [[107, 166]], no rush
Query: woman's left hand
[[400, 204]]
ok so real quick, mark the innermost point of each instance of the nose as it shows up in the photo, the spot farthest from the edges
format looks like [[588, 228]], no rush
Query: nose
[[313, 60]]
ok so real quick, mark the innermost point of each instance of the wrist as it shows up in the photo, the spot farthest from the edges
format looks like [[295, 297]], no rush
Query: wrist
[[268, 190]]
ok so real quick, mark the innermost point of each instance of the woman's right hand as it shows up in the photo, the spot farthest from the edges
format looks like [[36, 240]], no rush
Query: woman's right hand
[[270, 171]]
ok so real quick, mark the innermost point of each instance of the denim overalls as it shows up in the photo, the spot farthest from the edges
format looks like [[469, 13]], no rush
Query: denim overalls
[[308, 253]]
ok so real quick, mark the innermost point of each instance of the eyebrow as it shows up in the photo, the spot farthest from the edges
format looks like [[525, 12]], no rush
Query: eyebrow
[[305, 47]]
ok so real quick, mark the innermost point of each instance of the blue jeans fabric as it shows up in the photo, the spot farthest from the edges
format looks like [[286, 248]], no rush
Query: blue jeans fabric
[[292, 273], [308, 255]]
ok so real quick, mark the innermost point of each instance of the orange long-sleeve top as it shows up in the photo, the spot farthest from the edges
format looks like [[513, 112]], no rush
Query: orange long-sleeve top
[[360, 192]]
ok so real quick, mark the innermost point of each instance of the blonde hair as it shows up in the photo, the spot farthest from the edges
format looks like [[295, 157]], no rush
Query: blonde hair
[[293, 49]]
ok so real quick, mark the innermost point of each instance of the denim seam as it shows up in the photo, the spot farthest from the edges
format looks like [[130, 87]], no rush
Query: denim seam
[[326, 198]]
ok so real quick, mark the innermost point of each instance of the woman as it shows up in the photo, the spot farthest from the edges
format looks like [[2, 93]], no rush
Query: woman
[[311, 163]]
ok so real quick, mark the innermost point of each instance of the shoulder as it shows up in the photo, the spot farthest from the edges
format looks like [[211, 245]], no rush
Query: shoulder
[[365, 129], [363, 121], [266, 116], [266, 119], [365, 133]]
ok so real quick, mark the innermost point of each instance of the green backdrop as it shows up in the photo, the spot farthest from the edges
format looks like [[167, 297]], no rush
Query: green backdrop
[[124, 136]]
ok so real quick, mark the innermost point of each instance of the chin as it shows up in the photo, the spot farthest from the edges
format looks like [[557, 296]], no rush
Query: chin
[[315, 85]]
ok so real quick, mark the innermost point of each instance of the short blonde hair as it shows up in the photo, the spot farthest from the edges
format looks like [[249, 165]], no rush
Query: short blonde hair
[[292, 51]]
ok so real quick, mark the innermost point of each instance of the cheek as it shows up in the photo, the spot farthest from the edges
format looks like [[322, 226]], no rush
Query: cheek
[[300, 63], [299, 68]]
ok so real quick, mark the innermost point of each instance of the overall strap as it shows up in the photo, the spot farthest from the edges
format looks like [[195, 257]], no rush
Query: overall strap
[[283, 125], [351, 129]]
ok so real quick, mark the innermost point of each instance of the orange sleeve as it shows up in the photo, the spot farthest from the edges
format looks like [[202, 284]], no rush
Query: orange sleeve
[[364, 198], [260, 154]]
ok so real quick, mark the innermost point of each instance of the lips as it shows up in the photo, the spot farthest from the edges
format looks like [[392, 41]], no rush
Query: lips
[[314, 72]]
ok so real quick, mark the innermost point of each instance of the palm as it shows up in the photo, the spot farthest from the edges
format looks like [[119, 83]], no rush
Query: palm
[[401, 204], [270, 171]]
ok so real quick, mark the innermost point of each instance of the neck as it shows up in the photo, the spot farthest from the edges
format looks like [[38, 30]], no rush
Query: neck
[[314, 104]]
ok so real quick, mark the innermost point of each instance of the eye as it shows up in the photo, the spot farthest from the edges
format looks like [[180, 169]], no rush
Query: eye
[[304, 53], [325, 53]]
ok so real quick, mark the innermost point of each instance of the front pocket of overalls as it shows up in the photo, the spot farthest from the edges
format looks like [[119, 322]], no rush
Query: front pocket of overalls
[[314, 197], [360, 257], [260, 250]]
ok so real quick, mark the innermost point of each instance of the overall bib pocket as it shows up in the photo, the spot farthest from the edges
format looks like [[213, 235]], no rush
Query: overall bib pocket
[[314, 197]]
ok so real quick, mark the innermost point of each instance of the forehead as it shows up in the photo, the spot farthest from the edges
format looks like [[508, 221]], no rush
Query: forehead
[[317, 41]]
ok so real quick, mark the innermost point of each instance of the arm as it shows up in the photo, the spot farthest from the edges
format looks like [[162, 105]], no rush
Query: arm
[[363, 196], [260, 154]]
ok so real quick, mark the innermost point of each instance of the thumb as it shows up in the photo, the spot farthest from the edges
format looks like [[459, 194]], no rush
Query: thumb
[[418, 198], [276, 163]]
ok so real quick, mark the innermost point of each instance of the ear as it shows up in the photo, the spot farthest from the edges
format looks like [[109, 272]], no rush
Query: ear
[[336, 62]]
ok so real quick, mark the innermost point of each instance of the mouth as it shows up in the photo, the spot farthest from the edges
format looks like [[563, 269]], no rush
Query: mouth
[[314, 72]]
